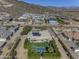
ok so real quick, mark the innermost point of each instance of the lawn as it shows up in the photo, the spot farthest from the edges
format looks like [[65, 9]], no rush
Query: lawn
[[33, 55], [45, 44]]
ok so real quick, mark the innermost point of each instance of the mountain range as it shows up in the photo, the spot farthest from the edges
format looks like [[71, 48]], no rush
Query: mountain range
[[17, 8]]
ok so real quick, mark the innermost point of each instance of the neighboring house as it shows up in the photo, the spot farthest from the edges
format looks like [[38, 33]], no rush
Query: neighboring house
[[6, 33], [14, 29], [5, 16], [77, 48], [38, 19], [2, 42], [52, 21], [70, 42], [24, 18], [4, 36]]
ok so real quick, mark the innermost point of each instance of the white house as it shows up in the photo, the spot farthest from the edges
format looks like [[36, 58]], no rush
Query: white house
[[52, 21], [39, 36]]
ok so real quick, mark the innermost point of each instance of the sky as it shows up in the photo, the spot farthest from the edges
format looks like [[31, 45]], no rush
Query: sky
[[58, 3]]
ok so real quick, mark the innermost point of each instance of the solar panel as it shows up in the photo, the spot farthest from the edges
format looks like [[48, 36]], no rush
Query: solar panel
[[36, 34]]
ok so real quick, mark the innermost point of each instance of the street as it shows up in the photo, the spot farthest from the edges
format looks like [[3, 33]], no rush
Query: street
[[61, 49]]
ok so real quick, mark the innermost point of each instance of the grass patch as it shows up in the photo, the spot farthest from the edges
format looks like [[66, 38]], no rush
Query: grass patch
[[26, 29], [46, 21], [60, 21], [33, 55], [41, 28], [48, 55], [27, 44], [53, 51]]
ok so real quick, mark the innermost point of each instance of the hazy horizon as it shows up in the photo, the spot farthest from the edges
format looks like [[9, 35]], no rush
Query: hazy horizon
[[57, 3]]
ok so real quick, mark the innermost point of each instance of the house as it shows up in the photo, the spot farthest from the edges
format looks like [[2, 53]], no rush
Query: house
[[38, 19], [14, 28], [52, 21], [2, 44], [76, 48], [25, 17], [7, 33], [39, 40], [72, 34], [3, 37], [5, 16], [71, 40], [39, 36]]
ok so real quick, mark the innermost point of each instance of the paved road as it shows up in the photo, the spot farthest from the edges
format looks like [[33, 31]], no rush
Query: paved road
[[69, 44], [46, 25], [61, 49]]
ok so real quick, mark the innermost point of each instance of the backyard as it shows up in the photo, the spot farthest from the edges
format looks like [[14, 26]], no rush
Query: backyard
[[44, 49]]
